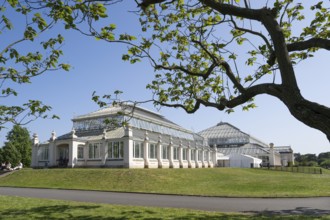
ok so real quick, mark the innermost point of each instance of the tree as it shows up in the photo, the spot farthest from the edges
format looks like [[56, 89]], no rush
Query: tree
[[18, 146], [11, 154], [306, 159], [27, 50], [323, 157], [216, 53], [222, 54], [325, 163]]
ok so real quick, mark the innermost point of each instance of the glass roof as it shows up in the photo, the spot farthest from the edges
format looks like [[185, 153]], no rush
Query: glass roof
[[283, 149], [136, 117], [249, 149], [225, 134]]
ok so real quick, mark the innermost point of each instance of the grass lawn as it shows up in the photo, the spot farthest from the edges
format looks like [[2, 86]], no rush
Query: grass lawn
[[232, 182], [27, 208]]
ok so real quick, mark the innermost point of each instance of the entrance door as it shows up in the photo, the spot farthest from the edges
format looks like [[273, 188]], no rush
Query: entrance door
[[63, 153]]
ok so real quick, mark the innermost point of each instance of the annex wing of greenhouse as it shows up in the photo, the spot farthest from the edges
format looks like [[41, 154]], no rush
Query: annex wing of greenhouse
[[146, 140], [239, 149]]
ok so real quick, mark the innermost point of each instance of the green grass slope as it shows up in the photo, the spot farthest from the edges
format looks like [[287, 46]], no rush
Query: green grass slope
[[231, 182]]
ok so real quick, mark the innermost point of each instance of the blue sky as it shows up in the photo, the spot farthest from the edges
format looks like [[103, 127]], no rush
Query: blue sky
[[97, 66]]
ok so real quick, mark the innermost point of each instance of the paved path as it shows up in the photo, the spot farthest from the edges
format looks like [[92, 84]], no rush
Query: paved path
[[315, 206]]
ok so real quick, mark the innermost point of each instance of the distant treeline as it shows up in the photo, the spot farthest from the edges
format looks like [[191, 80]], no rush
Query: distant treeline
[[322, 160]]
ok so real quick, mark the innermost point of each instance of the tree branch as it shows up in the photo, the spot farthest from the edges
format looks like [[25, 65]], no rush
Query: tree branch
[[313, 42], [303, 45], [267, 88], [225, 9], [254, 33]]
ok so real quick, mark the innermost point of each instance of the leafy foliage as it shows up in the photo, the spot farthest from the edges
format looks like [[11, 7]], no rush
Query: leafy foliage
[[31, 52], [18, 147], [214, 53], [222, 54], [322, 159]]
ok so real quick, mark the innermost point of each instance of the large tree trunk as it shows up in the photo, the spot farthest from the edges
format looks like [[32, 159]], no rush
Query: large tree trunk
[[310, 113]]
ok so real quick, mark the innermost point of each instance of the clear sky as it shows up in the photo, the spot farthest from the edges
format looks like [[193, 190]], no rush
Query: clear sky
[[97, 66]]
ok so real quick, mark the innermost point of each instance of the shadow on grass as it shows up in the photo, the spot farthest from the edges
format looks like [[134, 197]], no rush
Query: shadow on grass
[[91, 212], [297, 211], [61, 212], [50, 212]]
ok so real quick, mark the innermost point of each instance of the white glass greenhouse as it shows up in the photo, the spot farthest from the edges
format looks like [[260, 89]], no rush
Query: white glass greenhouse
[[145, 140]]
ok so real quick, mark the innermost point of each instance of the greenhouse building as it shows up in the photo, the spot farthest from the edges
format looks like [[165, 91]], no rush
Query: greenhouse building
[[132, 137], [238, 149]]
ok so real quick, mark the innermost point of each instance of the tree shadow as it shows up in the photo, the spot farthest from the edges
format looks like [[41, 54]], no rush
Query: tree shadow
[[90, 212], [52, 212], [200, 216], [296, 211]]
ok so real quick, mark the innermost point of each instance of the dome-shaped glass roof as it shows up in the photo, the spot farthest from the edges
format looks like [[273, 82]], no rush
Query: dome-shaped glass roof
[[225, 134]]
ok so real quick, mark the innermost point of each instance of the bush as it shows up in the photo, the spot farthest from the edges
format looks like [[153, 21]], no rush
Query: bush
[[312, 164], [325, 164]]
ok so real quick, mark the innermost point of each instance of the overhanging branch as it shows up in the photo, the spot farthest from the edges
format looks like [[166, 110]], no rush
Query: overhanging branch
[[303, 45], [267, 88]]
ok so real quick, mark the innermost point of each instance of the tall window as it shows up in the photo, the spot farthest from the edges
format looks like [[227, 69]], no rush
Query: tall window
[[94, 150], [116, 149], [165, 152], [43, 153], [152, 151], [206, 155], [192, 154], [137, 149], [80, 152], [184, 153], [175, 153], [200, 155]]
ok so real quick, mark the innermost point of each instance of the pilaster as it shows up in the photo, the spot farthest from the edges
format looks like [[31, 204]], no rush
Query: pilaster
[[159, 152], [146, 150], [171, 153], [189, 156], [180, 154], [35, 145], [128, 147]]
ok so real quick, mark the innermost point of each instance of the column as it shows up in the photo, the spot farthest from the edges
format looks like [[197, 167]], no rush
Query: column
[[180, 155], [52, 150], [196, 157], [146, 150], [271, 155], [128, 147], [171, 153], [208, 156], [72, 149], [189, 156], [214, 155], [203, 157], [35, 142], [104, 148], [86, 153], [159, 152]]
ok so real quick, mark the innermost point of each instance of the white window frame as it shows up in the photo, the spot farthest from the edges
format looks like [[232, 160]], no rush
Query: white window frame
[[43, 154], [206, 156], [192, 154], [165, 152], [184, 153], [138, 149], [152, 151], [94, 150], [175, 153], [80, 151], [116, 150], [200, 155]]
